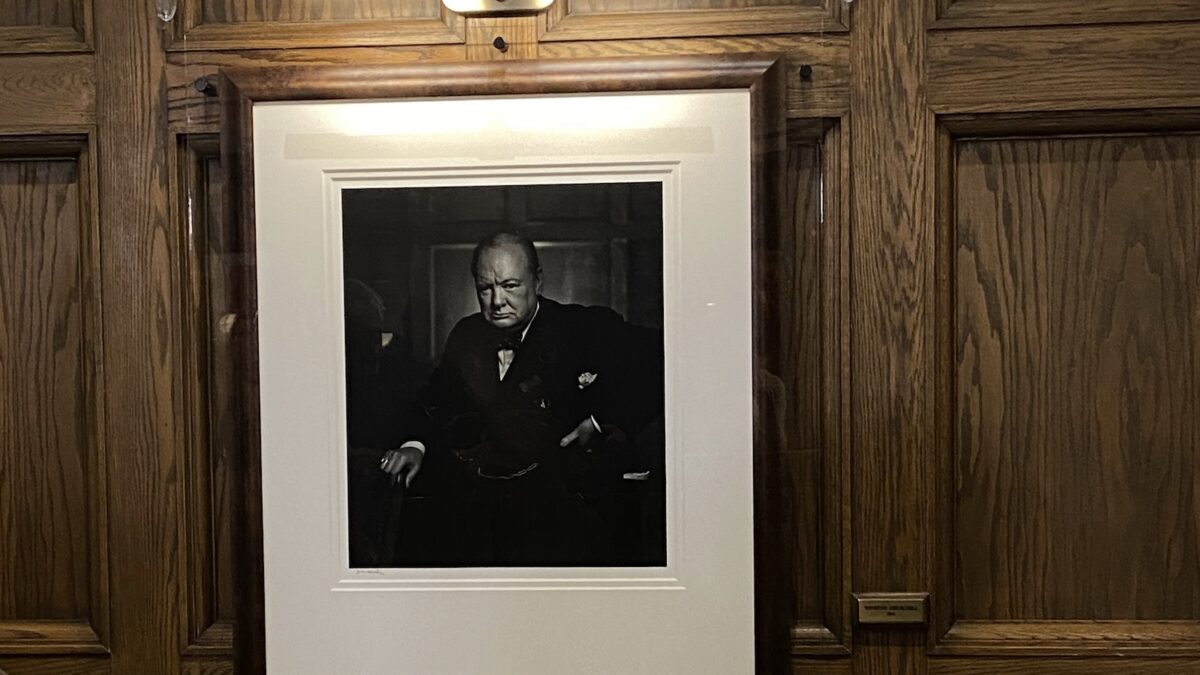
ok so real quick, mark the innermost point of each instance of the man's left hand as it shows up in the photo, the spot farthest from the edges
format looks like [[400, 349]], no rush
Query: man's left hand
[[582, 435], [403, 463]]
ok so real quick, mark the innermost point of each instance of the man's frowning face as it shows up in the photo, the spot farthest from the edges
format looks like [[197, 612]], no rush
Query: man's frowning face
[[506, 286]]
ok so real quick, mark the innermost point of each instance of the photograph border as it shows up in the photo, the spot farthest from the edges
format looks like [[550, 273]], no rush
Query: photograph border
[[761, 75], [668, 576]]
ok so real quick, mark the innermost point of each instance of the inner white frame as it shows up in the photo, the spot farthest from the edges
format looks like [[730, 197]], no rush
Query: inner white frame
[[695, 614]]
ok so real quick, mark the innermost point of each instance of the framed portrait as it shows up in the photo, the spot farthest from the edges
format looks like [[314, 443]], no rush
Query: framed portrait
[[499, 379]]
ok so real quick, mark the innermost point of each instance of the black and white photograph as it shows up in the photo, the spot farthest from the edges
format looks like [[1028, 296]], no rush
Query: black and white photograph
[[504, 376]]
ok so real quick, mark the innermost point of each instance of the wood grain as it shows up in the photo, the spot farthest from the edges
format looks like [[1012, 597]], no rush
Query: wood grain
[[241, 24], [45, 26], [1071, 638], [1064, 666], [53, 568], [798, 454], [606, 6], [566, 76], [1078, 330], [206, 266], [892, 336], [1073, 123], [189, 111], [628, 19], [811, 666], [221, 262], [207, 667], [45, 92], [826, 94], [43, 13], [237, 157], [519, 32], [1080, 68], [837, 485], [44, 435], [141, 327], [284, 11], [769, 230], [891, 272], [993, 13], [42, 666], [50, 638], [49, 39]]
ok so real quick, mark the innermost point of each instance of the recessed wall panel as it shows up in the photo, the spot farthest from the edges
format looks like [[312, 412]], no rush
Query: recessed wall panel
[[211, 384], [47, 26], [39, 13], [595, 6], [47, 459], [1076, 272], [798, 442], [981, 13], [261, 24], [630, 19], [241, 11], [223, 432]]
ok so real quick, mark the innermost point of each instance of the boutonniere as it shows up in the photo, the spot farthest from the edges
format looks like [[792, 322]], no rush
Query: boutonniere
[[586, 380]]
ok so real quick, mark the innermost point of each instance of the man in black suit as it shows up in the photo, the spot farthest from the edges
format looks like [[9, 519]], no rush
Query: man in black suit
[[542, 404]]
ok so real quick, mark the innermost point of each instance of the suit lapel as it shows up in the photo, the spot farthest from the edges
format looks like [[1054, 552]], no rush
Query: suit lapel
[[535, 347], [481, 372]]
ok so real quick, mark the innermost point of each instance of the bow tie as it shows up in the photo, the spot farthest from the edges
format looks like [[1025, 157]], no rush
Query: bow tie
[[510, 342]]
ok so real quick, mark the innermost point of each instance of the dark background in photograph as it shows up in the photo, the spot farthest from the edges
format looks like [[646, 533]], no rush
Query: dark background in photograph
[[407, 255]]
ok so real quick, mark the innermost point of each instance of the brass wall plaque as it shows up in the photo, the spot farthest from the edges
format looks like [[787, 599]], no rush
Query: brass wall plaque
[[898, 608]]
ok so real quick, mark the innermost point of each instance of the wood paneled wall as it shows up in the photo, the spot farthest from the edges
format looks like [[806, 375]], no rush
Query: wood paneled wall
[[978, 347]]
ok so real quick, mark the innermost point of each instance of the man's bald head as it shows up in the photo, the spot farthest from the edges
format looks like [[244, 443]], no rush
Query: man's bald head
[[506, 239]]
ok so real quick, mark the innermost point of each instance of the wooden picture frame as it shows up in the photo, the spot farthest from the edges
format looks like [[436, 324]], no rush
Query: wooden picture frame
[[762, 76]]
